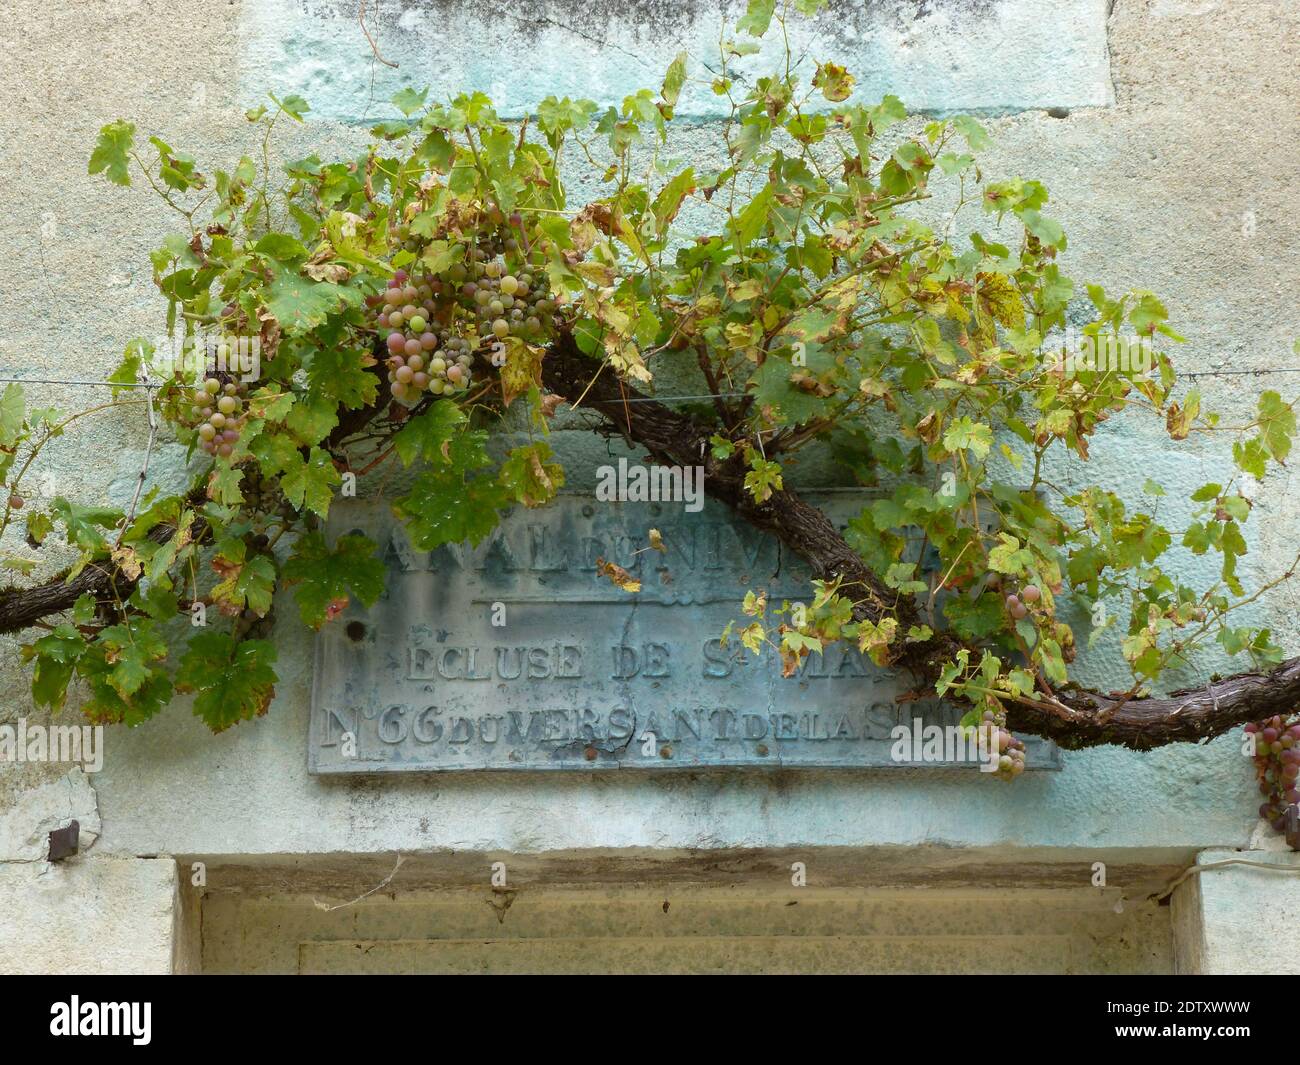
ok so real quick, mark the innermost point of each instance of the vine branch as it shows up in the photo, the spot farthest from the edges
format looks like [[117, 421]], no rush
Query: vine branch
[[1075, 718]]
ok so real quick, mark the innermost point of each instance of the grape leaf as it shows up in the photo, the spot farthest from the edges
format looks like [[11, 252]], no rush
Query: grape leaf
[[1277, 424], [312, 418], [426, 436], [522, 371], [11, 414], [311, 483], [437, 151], [107, 703], [976, 135], [408, 100], [669, 201], [223, 485], [293, 105], [674, 80], [323, 577], [1045, 229], [528, 478], [56, 657], [782, 400], [300, 304], [975, 619], [835, 82], [129, 652], [134, 360], [39, 525], [757, 17], [281, 247], [234, 681], [274, 452], [763, 478], [967, 435], [752, 219], [1009, 556], [245, 584], [113, 152], [338, 374], [442, 508], [83, 523], [1250, 457]]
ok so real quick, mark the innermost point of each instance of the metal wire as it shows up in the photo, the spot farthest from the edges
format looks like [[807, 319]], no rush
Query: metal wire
[[73, 381], [159, 384], [1239, 373], [1190, 376]]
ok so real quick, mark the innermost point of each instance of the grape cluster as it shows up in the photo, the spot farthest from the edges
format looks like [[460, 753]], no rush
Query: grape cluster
[[1011, 760], [507, 304], [405, 312], [435, 324], [1277, 766], [260, 499], [217, 413], [1016, 603]]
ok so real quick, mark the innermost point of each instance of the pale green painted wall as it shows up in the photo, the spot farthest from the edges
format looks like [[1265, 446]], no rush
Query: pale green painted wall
[[1195, 125]]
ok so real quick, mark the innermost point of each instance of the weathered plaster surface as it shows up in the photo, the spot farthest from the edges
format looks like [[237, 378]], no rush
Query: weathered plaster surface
[[1239, 918], [1156, 191], [938, 55], [89, 915], [25, 826]]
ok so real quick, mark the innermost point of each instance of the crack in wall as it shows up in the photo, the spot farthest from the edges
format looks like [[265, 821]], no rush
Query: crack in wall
[[25, 827]]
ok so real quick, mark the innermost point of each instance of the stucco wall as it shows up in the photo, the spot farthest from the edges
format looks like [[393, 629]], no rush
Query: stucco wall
[[96, 916], [1174, 169], [1231, 917]]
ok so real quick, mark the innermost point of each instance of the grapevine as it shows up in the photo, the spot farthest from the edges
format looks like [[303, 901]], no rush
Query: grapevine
[[440, 292], [1276, 745]]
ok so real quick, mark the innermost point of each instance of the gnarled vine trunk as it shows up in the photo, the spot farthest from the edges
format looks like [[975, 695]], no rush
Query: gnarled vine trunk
[[1076, 718]]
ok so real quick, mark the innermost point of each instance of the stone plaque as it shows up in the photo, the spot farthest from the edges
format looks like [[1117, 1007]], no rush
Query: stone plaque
[[577, 673]]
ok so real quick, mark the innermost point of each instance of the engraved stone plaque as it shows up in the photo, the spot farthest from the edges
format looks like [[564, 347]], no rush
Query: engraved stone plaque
[[581, 674]]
